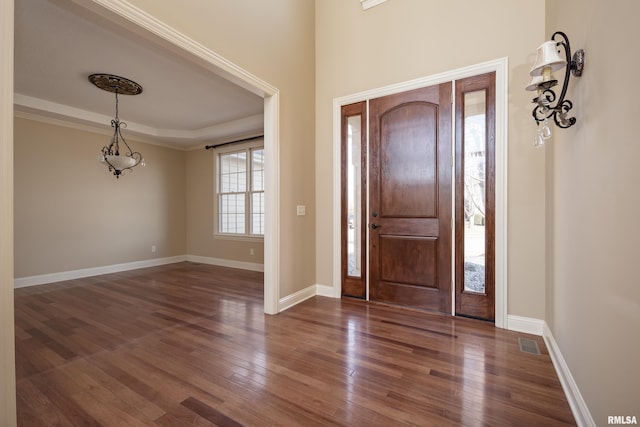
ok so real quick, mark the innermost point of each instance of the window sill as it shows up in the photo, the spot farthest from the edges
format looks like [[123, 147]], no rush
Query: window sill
[[238, 237]]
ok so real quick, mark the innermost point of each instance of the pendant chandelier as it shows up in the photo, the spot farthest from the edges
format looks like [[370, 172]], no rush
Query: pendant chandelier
[[113, 155]]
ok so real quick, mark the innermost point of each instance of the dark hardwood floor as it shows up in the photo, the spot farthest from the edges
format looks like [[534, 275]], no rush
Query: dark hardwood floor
[[188, 344]]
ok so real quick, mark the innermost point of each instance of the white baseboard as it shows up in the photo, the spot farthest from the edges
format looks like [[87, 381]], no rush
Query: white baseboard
[[21, 282], [296, 298], [539, 327], [527, 325], [326, 291], [574, 397], [252, 266], [306, 293]]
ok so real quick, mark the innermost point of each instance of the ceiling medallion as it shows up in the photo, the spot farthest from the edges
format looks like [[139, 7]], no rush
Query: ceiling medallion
[[115, 84]]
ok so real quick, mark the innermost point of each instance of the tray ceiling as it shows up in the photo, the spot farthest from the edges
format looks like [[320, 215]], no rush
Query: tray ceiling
[[58, 45]]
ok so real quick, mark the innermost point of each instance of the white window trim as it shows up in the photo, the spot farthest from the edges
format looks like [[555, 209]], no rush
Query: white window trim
[[231, 148]]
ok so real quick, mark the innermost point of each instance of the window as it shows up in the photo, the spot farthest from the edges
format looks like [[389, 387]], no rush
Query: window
[[240, 190], [366, 4]]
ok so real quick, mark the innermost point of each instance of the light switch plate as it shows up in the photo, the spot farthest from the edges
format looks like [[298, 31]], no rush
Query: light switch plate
[[301, 210]]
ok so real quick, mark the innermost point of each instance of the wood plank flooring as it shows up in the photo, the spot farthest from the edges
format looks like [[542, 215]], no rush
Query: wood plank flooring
[[188, 344]]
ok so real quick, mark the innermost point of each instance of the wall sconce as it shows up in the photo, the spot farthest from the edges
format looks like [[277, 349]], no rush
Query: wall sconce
[[547, 104]]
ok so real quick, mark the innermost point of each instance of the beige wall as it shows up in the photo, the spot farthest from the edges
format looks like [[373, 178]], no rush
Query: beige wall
[[200, 191], [71, 213], [273, 40], [593, 208], [402, 40]]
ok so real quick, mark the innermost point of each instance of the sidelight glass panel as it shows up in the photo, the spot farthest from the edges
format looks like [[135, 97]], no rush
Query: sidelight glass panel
[[354, 197], [475, 156]]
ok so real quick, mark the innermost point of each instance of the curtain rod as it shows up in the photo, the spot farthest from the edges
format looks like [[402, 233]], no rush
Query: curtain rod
[[234, 142]]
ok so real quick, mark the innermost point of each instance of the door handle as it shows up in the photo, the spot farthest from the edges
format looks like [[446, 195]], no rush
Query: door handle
[[374, 226]]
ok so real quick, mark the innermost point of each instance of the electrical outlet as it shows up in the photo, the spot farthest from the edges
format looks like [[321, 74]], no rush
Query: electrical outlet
[[153, 249], [251, 251], [301, 210]]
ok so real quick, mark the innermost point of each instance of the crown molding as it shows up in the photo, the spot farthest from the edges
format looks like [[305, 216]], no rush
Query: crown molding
[[64, 115], [143, 23]]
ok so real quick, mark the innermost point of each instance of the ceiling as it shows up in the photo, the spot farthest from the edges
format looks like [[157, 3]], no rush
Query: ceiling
[[58, 45]]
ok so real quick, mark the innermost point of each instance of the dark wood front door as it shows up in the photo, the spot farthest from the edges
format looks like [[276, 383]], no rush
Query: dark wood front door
[[410, 198]]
